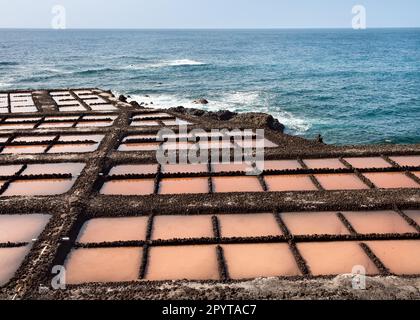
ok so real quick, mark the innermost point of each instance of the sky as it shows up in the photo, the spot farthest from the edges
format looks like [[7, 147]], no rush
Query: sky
[[209, 13]]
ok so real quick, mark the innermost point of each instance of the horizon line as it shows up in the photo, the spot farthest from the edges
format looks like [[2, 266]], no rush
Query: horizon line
[[215, 28]]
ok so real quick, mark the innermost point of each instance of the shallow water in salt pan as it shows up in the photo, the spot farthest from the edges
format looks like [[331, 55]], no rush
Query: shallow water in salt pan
[[280, 165], [73, 148], [139, 146], [129, 187], [72, 168], [401, 257], [314, 223], [103, 265], [10, 261], [21, 228], [289, 183], [324, 164], [231, 167], [368, 162], [236, 184], [342, 181], [24, 149], [197, 262], [182, 227], [378, 222], [113, 229], [9, 170], [407, 161], [39, 187], [334, 258], [184, 186], [391, 180], [134, 169], [248, 225], [245, 261], [187, 168]]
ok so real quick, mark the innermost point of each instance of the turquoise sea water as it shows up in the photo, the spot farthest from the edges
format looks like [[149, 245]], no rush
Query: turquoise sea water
[[350, 86]]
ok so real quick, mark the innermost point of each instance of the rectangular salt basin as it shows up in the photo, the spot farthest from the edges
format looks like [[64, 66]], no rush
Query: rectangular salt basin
[[401, 257], [73, 108], [341, 181], [223, 144], [258, 143], [152, 115], [176, 122], [73, 148], [30, 149], [139, 146], [101, 230], [182, 227], [72, 138], [10, 261], [26, 119], [94, 124], [289, 183], [324, 164], [335, 258], [33, 138], [184, 186], [24, 109], [145, 123], [61, 118], [391, 180], [368, 162], [314, 223], [141, 136], [72, 168], [248, 225], [198, 262], [413, 214], [248, 261], [38, 187], [134, 169], [182, 145], [103, 265], [231, 167], [21, 228], [56, 125], [279, 165], [129, 187], [379, 222], [103, 107], [23, 126], [9, 170], [407, 161], [236, 184], [185, 168]]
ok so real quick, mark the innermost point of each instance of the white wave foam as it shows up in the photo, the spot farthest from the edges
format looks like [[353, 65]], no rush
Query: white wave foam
[[235, 102], [164, 64], [292, 122]]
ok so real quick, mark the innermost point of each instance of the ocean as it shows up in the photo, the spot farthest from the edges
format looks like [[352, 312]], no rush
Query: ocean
[[352, 87]]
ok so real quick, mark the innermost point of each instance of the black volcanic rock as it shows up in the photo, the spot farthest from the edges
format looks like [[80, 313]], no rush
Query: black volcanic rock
[[201, 101], [136, 105], [122, 98]]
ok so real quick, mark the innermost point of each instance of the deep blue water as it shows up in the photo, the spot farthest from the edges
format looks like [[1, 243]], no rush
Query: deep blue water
[[351, 86]]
